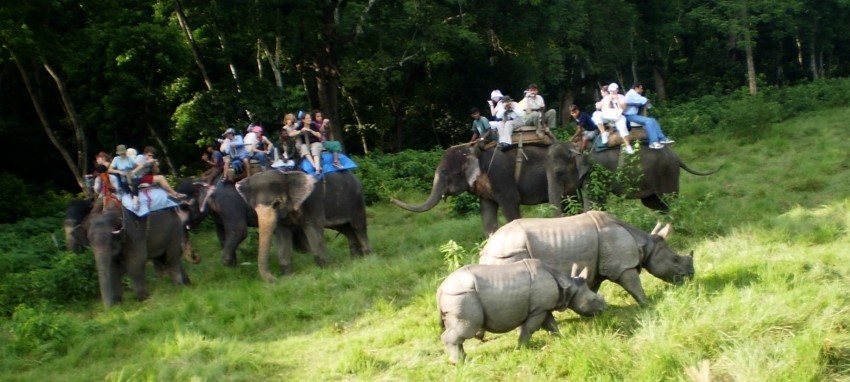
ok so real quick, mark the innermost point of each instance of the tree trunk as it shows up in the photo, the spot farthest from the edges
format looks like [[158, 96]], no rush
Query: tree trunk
[[360, 127], [327, 71], [42, 116], [660, 84], [71, 112], [184, 25], [748, 50], [273, 60]]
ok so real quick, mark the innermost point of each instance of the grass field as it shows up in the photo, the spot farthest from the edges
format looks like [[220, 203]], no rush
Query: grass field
[[769, 301]]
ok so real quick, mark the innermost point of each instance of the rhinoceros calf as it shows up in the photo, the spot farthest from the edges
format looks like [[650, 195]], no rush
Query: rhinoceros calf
[[609, 248], [499, 298]]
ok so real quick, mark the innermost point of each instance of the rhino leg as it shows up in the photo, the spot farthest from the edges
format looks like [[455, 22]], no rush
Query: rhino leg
[[464, 319], [550, 324], [630, 281], [531, 324]]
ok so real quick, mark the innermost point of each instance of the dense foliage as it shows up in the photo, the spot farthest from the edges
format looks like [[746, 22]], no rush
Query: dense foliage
[[86, 75]]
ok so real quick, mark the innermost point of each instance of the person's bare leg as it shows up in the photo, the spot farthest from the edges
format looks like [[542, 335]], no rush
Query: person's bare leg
[[247, 166]]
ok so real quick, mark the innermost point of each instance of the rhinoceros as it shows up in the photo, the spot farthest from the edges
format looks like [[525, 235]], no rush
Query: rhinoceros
[[499, 298], [609, 248]]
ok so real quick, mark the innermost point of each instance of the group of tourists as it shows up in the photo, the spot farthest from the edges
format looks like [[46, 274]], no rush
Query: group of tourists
[[612, 111], [303, 137], [623, 112], [126, 173], [506, 115]]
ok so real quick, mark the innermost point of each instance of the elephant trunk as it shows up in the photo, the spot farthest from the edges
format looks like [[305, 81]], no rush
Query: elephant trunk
[[266, 222], [188, 252], [433, 199]]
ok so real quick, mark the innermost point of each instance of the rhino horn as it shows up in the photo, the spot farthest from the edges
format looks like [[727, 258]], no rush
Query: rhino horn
[[574, 271], [583, 274], [656, 229], [664, 232]]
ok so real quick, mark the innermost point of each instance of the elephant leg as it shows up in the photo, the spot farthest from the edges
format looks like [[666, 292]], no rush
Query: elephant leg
[[630, 281], [283, 240], [137, 257], [655, 202], [489, 217], [173, 260], [316, 242], [550, 324], [531, 324], [235, 234]]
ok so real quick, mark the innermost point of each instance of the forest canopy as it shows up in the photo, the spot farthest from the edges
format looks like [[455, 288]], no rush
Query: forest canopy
[[79, 77]]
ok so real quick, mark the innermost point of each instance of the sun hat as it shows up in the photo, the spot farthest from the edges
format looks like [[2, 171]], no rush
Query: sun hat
[[121, 149], [613, 87]]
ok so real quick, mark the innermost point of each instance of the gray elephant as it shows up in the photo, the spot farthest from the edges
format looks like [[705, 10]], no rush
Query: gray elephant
[[230, 212], [122, 243], [656, 176], [609, 248], [499, 298], [547, 174], [287, 203], [491, 175]]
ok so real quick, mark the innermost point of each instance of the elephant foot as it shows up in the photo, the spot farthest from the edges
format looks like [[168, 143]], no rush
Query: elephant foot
[[229, 261], [322, 262], [286, 270]]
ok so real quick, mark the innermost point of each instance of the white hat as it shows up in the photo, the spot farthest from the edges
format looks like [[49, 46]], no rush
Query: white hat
[[495, 95], [613, 87]]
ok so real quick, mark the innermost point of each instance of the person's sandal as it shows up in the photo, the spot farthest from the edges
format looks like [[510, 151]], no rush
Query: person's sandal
[[337, 165]]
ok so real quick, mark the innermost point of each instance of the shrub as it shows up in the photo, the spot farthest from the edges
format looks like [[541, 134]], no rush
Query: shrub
[[386, 174], [37, 268], [37, 329]]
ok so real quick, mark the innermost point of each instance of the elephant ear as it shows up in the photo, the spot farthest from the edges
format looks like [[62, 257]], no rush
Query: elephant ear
[[582, 165], [299, 187], [472, 170]]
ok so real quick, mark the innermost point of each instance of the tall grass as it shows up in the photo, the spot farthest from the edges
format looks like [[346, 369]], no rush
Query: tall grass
[[769, 301]]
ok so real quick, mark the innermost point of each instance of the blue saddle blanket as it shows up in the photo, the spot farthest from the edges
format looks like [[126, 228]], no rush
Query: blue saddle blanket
[[327, 165], [150, 199]]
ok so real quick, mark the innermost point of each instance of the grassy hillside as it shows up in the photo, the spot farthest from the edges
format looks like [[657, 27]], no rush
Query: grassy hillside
[[769, 301]]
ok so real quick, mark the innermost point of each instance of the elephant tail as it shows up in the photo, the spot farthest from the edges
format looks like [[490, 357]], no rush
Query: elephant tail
[[695, 172]]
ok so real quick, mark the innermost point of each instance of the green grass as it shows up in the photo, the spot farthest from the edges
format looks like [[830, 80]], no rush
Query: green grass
[[770, 301]]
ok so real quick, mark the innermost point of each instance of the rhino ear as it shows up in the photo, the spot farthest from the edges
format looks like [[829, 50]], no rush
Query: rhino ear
[[666, 231], [583, 274], [657, 227]]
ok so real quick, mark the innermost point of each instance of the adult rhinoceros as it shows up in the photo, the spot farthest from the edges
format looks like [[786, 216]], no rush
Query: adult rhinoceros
[[609, 248]]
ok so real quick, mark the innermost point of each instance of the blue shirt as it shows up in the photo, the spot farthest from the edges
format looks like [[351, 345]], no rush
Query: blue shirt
[[586, 122], [633, 102]]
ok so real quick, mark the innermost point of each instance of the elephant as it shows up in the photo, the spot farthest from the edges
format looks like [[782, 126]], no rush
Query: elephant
[[123, 242], [549, 174], [610, 248], [490, 174], [292, 202], [230, 212], [657, 176], [499, 298]]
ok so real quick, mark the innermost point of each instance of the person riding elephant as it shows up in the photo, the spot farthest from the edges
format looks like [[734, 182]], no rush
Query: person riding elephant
[[545, 174], [289, 203]]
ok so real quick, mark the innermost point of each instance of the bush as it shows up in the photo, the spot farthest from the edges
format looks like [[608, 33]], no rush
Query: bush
[[384, 175], [36, 267], [22, 200], [746, 115], [40, 330]]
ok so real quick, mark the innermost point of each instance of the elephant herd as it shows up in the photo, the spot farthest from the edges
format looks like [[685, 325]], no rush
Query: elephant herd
[[295, 208]]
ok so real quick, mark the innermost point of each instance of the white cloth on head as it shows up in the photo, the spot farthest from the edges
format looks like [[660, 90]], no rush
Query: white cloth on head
[[496, 95]]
